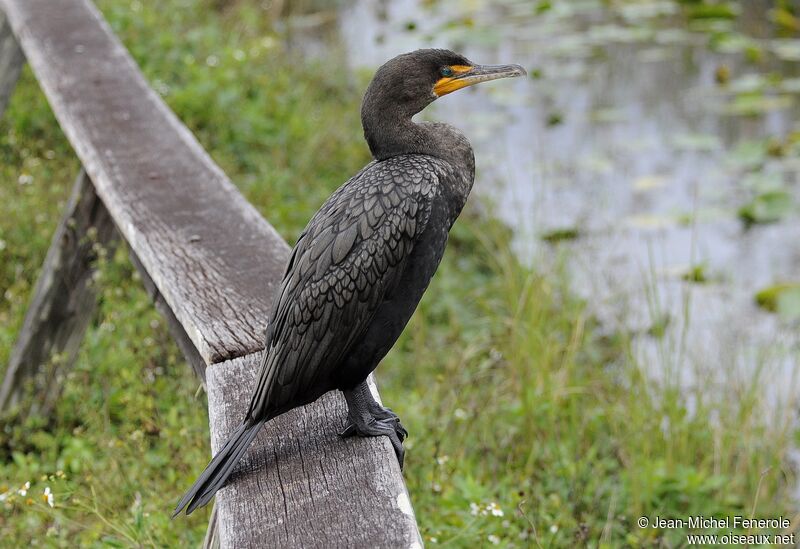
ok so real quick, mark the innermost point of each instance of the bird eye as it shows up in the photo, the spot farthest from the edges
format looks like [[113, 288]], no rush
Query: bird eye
[[446, 71]]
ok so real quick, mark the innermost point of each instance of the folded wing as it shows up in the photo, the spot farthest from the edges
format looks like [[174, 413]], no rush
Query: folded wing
[[349, 257]]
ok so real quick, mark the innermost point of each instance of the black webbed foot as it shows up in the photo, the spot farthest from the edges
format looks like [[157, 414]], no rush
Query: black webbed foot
[[367, 418], [379, 412], [372, 427]]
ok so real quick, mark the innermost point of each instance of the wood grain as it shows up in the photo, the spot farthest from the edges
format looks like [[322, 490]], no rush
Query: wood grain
[[63, 300], [300, 484], [213, 258]]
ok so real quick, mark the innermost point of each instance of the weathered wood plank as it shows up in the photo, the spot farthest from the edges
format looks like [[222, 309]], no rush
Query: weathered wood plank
[[300, 484], [63, 300], [213, 258], [11, 61]]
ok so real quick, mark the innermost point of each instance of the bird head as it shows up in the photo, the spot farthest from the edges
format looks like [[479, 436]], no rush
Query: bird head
[[411, 81]]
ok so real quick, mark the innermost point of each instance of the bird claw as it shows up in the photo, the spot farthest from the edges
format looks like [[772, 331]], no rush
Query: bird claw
[[390, 428], [387, 414], [367, 418]]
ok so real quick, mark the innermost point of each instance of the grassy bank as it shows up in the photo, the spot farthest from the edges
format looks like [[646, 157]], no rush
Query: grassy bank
[[528, 427]]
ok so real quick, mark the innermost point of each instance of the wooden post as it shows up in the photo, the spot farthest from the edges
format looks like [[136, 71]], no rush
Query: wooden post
[[63, 300], [175, 329], [211, 540], [11, 61]]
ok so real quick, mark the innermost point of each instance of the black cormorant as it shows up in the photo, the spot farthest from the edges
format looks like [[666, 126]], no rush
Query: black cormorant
[[361, 265]]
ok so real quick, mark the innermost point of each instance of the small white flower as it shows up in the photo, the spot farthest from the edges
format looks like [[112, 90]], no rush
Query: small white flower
[[554, 529], [24, 490], [49, 154], [433, 540], [212, 60], [460, 414], [441, 460], [494, 540], [48, 496], [239, 55], [25, 179], [436, 487], [494, 509], [161, 87], [474, 509]]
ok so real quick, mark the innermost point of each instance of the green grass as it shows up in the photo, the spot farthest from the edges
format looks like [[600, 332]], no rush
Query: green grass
[[516, 402]]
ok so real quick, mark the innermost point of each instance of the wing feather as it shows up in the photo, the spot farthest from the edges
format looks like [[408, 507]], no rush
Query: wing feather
[[351, 253]]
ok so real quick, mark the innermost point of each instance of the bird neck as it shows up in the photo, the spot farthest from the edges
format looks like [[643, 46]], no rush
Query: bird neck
[[392, 133]]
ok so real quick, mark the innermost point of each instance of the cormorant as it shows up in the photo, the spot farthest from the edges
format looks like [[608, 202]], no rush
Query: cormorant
[[363, 262]]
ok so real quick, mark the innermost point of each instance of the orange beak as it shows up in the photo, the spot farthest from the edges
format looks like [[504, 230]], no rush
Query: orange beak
[[468, 75]]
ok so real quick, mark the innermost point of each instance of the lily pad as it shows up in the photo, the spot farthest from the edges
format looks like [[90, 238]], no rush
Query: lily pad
[[696, 142], [733, 42], [750, 82], [750, 153], [764, 181], [786, 19], [651, 221], [787, 49], [658, 328], [605, 34], [608, 115], [782, 298], [697, 273], [672, 36], [767, 207], [561, 234], [649, 182], [751, 104], [712, 11], [554, 119]]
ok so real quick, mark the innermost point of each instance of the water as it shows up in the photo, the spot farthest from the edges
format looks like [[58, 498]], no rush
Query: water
[[625, 137]]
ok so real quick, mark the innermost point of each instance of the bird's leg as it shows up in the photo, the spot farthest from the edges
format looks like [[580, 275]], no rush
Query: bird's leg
[[379, 412], [367, 418]]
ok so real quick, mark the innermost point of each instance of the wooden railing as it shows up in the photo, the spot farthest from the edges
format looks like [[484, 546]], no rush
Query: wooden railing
[[211, 264]]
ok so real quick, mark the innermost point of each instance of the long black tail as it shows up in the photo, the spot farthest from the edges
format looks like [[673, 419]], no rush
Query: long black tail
[[220, 468]]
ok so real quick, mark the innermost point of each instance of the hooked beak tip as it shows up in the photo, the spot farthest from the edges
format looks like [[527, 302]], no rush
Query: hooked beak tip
[[518, 70], [483, 73]]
